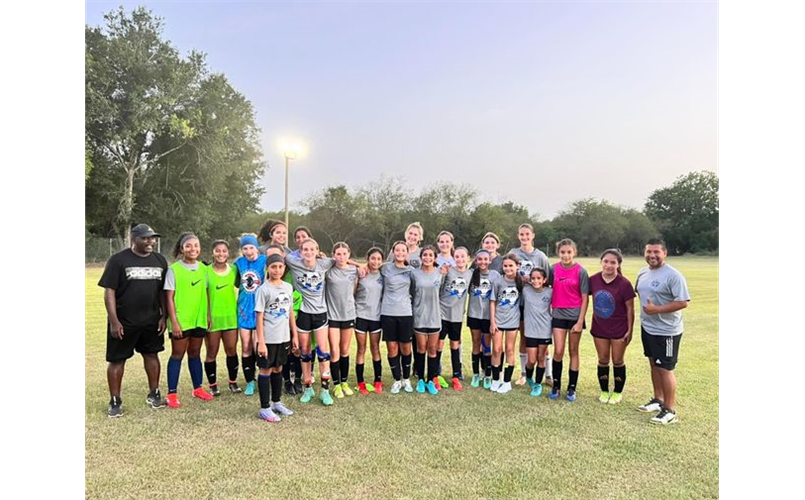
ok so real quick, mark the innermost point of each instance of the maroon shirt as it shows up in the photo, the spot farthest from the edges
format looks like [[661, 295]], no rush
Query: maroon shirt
[[609, 306]]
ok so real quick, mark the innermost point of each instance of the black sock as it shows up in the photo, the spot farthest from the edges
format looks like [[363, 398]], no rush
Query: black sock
[[378, 366], [540, 373], [276, 387], [359, 372], [344, 368], [433, 367], [439, 362], [211, 368], [286, 370], [455, 358], [335, 371], [406, 365], [296, 363], [486, 362], [248, 367], [232, 368], [603, 377], [264, 386], [620, 377], [507, 374], [529, 371], [476, 363], [419, 365], [573, 379], [557, 374], [394, 363], [495, 372]]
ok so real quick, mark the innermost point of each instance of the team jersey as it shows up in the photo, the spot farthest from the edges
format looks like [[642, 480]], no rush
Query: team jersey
[[223, 299], [369, 296], [396, 290], [414, 259], [530, 260], [497, 264], [250, 274], [426, 298], [453, 296], [506, 297], [275, 302], [449, 260], [189, 284], [479, 295], [537, 312], [340, 293], [610, 314], [310, 283]]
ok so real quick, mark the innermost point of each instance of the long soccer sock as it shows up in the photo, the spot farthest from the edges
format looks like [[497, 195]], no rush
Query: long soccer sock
[[495, 372], [406, 365], [557, 374], [572, 380], [286, 369], [264, 386], [603, 377], [335, 371], [276, 387], [548, 366], [394, 364], [507, 374], [455, 358], [523, 362], [419, 365], [359, 372], [174, 369], [248, 368], [196, 371], [433, 367], [297, 367], [439, 362], [232, 368], [378, 366], [344, 369], [529, 371], [211, 368], [486, 362], [538, 376], [476, 363], [620, 377]]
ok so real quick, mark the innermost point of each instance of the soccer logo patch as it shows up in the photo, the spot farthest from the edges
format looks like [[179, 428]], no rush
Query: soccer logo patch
[[458, 287], [250, 281], [603, 304], [311, 280], [509, 296], [281, 305], [483, 290]]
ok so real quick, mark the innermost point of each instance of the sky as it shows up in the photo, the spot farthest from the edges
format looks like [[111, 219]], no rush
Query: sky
[[538, 103]]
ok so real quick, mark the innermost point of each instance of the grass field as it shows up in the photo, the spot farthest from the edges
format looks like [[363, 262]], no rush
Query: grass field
[[473, 444]]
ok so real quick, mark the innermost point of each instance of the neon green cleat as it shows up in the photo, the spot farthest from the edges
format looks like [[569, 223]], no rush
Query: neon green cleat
[[604, 397], [442, 382], [347, 390], [616, 398], [370, 387], [325, 397], [307, 395], [338, 391]]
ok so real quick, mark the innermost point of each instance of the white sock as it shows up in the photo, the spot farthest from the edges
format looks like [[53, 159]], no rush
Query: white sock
[[523, 361], [548, 367]]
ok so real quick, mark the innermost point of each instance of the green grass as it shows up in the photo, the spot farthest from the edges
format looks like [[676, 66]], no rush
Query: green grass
[[473, 444]]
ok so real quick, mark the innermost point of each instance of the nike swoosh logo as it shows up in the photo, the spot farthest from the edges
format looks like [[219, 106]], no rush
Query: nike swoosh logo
[[195, 283], [219, 287]]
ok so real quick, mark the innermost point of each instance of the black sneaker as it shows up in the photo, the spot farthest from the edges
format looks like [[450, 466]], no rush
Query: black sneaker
[[665, 417], [215, 391], [290, 390], [233, 388], [115, 408], [155, 400], [297, 385]]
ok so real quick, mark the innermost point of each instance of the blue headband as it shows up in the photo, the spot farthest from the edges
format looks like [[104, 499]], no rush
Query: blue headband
[[248, 240]]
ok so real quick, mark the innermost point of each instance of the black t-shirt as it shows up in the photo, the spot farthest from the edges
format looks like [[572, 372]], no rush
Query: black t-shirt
[[137, 282]]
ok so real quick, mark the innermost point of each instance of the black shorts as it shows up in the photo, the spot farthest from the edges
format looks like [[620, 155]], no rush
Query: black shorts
[[306, 322], [529, 342], [566, 324], [478, 324], [397, 328], [196, 333], [276, 357], [451, 329], [427, 331], [143, 339], [663, 349], [367, 326], [342, 324]]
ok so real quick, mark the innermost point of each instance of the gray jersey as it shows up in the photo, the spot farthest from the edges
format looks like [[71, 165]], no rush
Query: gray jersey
[[507, 304], [453, 296], [479, 295], [396, 290], [661, 286], [369, 296], [310, 283], [529, 261], [414, 259], [170, 276], [340, 293], [440, 261], [537, 312], [276, 304], [426, 298]]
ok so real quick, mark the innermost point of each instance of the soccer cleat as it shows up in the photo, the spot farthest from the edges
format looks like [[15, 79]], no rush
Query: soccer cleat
[[233, 388], [249, 391], [495, 385], [347, 389], [476, 380], [554, 393], [420, 386], [536, 390], [155, 400], [378, 386], [615, 398], [215, 391], [396, 386], [461, 376], [203, 395], [521, 380], [338, 391], [653, 404], [290, 390], [173, 401], [407, 385], [307, 395], [362, 388], [604, 397], [571, 395], [297, 386], [457, 384], [268, 415], [505, 387], [432, 388], [325, 397], [487, 382], [115, 409], [665, 417], [531, 383], [442, 382], [280, 408]]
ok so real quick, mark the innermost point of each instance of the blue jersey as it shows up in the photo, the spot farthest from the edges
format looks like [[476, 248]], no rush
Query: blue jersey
[[251, 275]]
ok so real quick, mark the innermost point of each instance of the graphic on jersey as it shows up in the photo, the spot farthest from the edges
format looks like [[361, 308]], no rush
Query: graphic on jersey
[[483, 290], [509, 296], [525, 268], [458, 287], [281, 305], [311, 280], [250, 281], [143, 273], [603, 304]]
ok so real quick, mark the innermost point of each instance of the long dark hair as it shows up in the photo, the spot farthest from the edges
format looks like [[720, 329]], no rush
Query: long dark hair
[[517, 279], [617, 254], [475, 280]]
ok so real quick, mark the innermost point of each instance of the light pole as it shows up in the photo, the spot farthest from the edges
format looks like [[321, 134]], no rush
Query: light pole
[[290, 151]]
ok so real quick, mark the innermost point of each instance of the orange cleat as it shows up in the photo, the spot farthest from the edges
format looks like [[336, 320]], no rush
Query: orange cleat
[[200, 393], [457, 384], [362, 388], [437, 384], [378, 387], [173, 401]]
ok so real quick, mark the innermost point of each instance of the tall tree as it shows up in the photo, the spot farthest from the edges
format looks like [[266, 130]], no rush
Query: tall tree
[[686, 213]]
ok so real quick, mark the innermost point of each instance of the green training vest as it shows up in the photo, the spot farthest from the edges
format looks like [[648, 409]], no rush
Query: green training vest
[[223, 300], [190, 296]]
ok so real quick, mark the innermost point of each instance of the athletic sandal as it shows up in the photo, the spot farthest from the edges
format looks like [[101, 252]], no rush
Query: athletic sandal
[[420, 386], [653, 404], [536, 390], [307, 395], [249, 391], [407, 385], [476, 380], [173, 401], [432, 388], [604, 397], [665, 417], [268, 415], [338, 391], [325, 397], [521, 380], [362, 388], [233, 388], [200, 393], [378, 387], [616, 398], [215, 391], [280, 408], [442, 383], [457, 384], [396, 386], [347, 389]]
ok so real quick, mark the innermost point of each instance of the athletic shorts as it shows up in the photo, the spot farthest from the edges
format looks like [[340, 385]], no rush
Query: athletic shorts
[[566, 324], [529, 342], [452, 330], [427, 331], [196, 333], [342, 324], [478, 324], [143, 339], [367, 326], [306, 322], [276, 357], [663, 349], [397, 328]]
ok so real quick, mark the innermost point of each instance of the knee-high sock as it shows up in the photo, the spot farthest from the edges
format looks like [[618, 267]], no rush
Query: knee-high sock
[[344, 369], [394, 364], [603, 378], [264, 386], [433, 367], [529, 371], [439, 362], [276, 387], [378, 366], [287, 368], [620, 377], [573, 378], [248, 363], [297, 367], [196, 371], [419, 365], [486, 362], [507, 375], [406, 365], [557, 374], [476, 363], [455, 358], [495, 372], [174, 369], [232, 368], [548, 366], [359, 372], [539, 374], [523, 362], [335, 371], [211, 368]]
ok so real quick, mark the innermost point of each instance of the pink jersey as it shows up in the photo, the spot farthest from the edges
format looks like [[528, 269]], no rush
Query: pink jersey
[[568, 285]]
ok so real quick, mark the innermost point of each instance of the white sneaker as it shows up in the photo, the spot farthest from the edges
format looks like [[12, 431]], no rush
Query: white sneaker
[[654, 404], [495, 386], [280, 408], [407, 385], [665, 417], [505, 387], [396, 386]]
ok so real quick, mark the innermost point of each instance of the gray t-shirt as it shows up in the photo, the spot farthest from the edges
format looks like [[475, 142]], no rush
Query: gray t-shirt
[[368, 297], [661, 286], [440, 261], [453, 296], [170, 276], [507, 304], [276, 304], [397, 285], [414, 259], [310, 283], [479, 295], [529, 261], [426, 298], [537, 312], [340, 293]]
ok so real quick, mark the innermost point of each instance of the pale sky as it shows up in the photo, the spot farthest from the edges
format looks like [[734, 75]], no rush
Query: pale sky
[[540, 103]]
